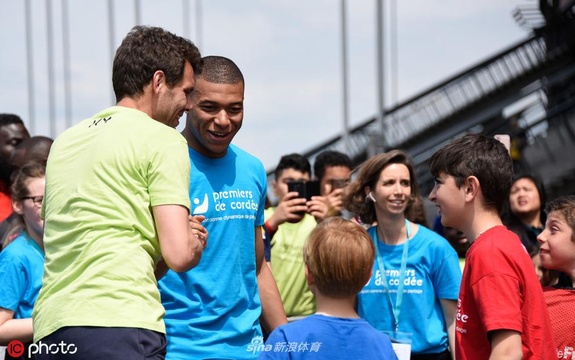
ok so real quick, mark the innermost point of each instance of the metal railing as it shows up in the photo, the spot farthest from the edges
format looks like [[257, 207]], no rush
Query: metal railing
[[418, 114]]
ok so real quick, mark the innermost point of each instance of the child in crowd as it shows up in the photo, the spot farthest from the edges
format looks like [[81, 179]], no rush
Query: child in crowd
[[22, 261], [557, 252], [338, 258], [501, 308]]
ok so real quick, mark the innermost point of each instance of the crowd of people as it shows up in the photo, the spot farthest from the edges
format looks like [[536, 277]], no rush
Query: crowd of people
[[123, 238]]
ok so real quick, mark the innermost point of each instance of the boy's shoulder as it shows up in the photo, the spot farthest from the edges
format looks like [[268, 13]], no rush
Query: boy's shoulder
[[499, 233], [498, 238], [498, 250]]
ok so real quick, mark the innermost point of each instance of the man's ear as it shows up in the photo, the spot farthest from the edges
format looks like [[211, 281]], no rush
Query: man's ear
[[472, 188], [158, 80]]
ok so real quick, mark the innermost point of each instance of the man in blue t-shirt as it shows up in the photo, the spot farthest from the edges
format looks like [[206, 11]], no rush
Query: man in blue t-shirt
[[215, 310]]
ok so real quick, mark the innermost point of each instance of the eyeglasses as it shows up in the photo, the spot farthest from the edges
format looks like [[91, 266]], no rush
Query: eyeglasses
[[37, 200]]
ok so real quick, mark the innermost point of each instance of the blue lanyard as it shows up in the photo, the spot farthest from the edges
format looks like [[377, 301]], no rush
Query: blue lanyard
[[399, 297]]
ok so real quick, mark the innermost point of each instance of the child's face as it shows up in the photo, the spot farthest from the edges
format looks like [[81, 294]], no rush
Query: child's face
[[449, 200], [557, 249], [29, 208]]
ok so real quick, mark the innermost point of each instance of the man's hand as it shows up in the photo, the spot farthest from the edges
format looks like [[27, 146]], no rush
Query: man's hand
[[318, 208], [334, 202], [198, 230], [198, 235], [289, 209]]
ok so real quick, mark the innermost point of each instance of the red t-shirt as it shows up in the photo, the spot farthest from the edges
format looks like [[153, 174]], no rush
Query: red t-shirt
[[561, 306], [5, 201], [500, 291]]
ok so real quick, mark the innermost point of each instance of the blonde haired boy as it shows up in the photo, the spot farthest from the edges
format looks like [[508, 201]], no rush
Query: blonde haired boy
[[338, 258]]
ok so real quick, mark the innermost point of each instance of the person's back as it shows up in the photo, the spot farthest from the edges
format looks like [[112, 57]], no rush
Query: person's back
[[338, 258], [558, 253], [501, 309], [100, 176], [116, 203]]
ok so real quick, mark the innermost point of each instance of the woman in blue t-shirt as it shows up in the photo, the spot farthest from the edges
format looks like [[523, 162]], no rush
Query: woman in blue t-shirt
[[412, 293], [22, 259]]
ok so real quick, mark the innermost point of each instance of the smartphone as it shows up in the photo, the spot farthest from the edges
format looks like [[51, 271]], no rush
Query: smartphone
[[305, 189], [297, 186]]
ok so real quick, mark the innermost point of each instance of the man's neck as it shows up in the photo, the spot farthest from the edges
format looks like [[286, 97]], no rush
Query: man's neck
[[141, 103]]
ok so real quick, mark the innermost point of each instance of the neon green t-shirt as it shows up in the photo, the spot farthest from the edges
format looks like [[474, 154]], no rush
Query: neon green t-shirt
[[288, 266], [103, 177]]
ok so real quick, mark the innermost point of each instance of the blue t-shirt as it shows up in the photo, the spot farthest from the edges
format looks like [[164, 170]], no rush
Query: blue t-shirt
[[213, 310], [326, 337], [432, 273], [21, 271]]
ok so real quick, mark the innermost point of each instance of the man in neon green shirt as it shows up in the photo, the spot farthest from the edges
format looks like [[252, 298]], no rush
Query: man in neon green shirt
[[116, 201]]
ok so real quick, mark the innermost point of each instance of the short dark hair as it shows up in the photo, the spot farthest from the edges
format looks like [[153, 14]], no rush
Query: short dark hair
[[293, 161], [329, 158], [145, 50], [34, 149], [220, 70], [9, 119], [481, 156]]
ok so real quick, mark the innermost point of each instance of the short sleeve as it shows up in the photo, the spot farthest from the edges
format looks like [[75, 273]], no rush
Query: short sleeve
[[501, 309], [169, 174], [12, 281]]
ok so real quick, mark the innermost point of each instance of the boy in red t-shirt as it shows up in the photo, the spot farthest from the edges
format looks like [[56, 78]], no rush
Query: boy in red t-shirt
[[501, 309], [557, 252]]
